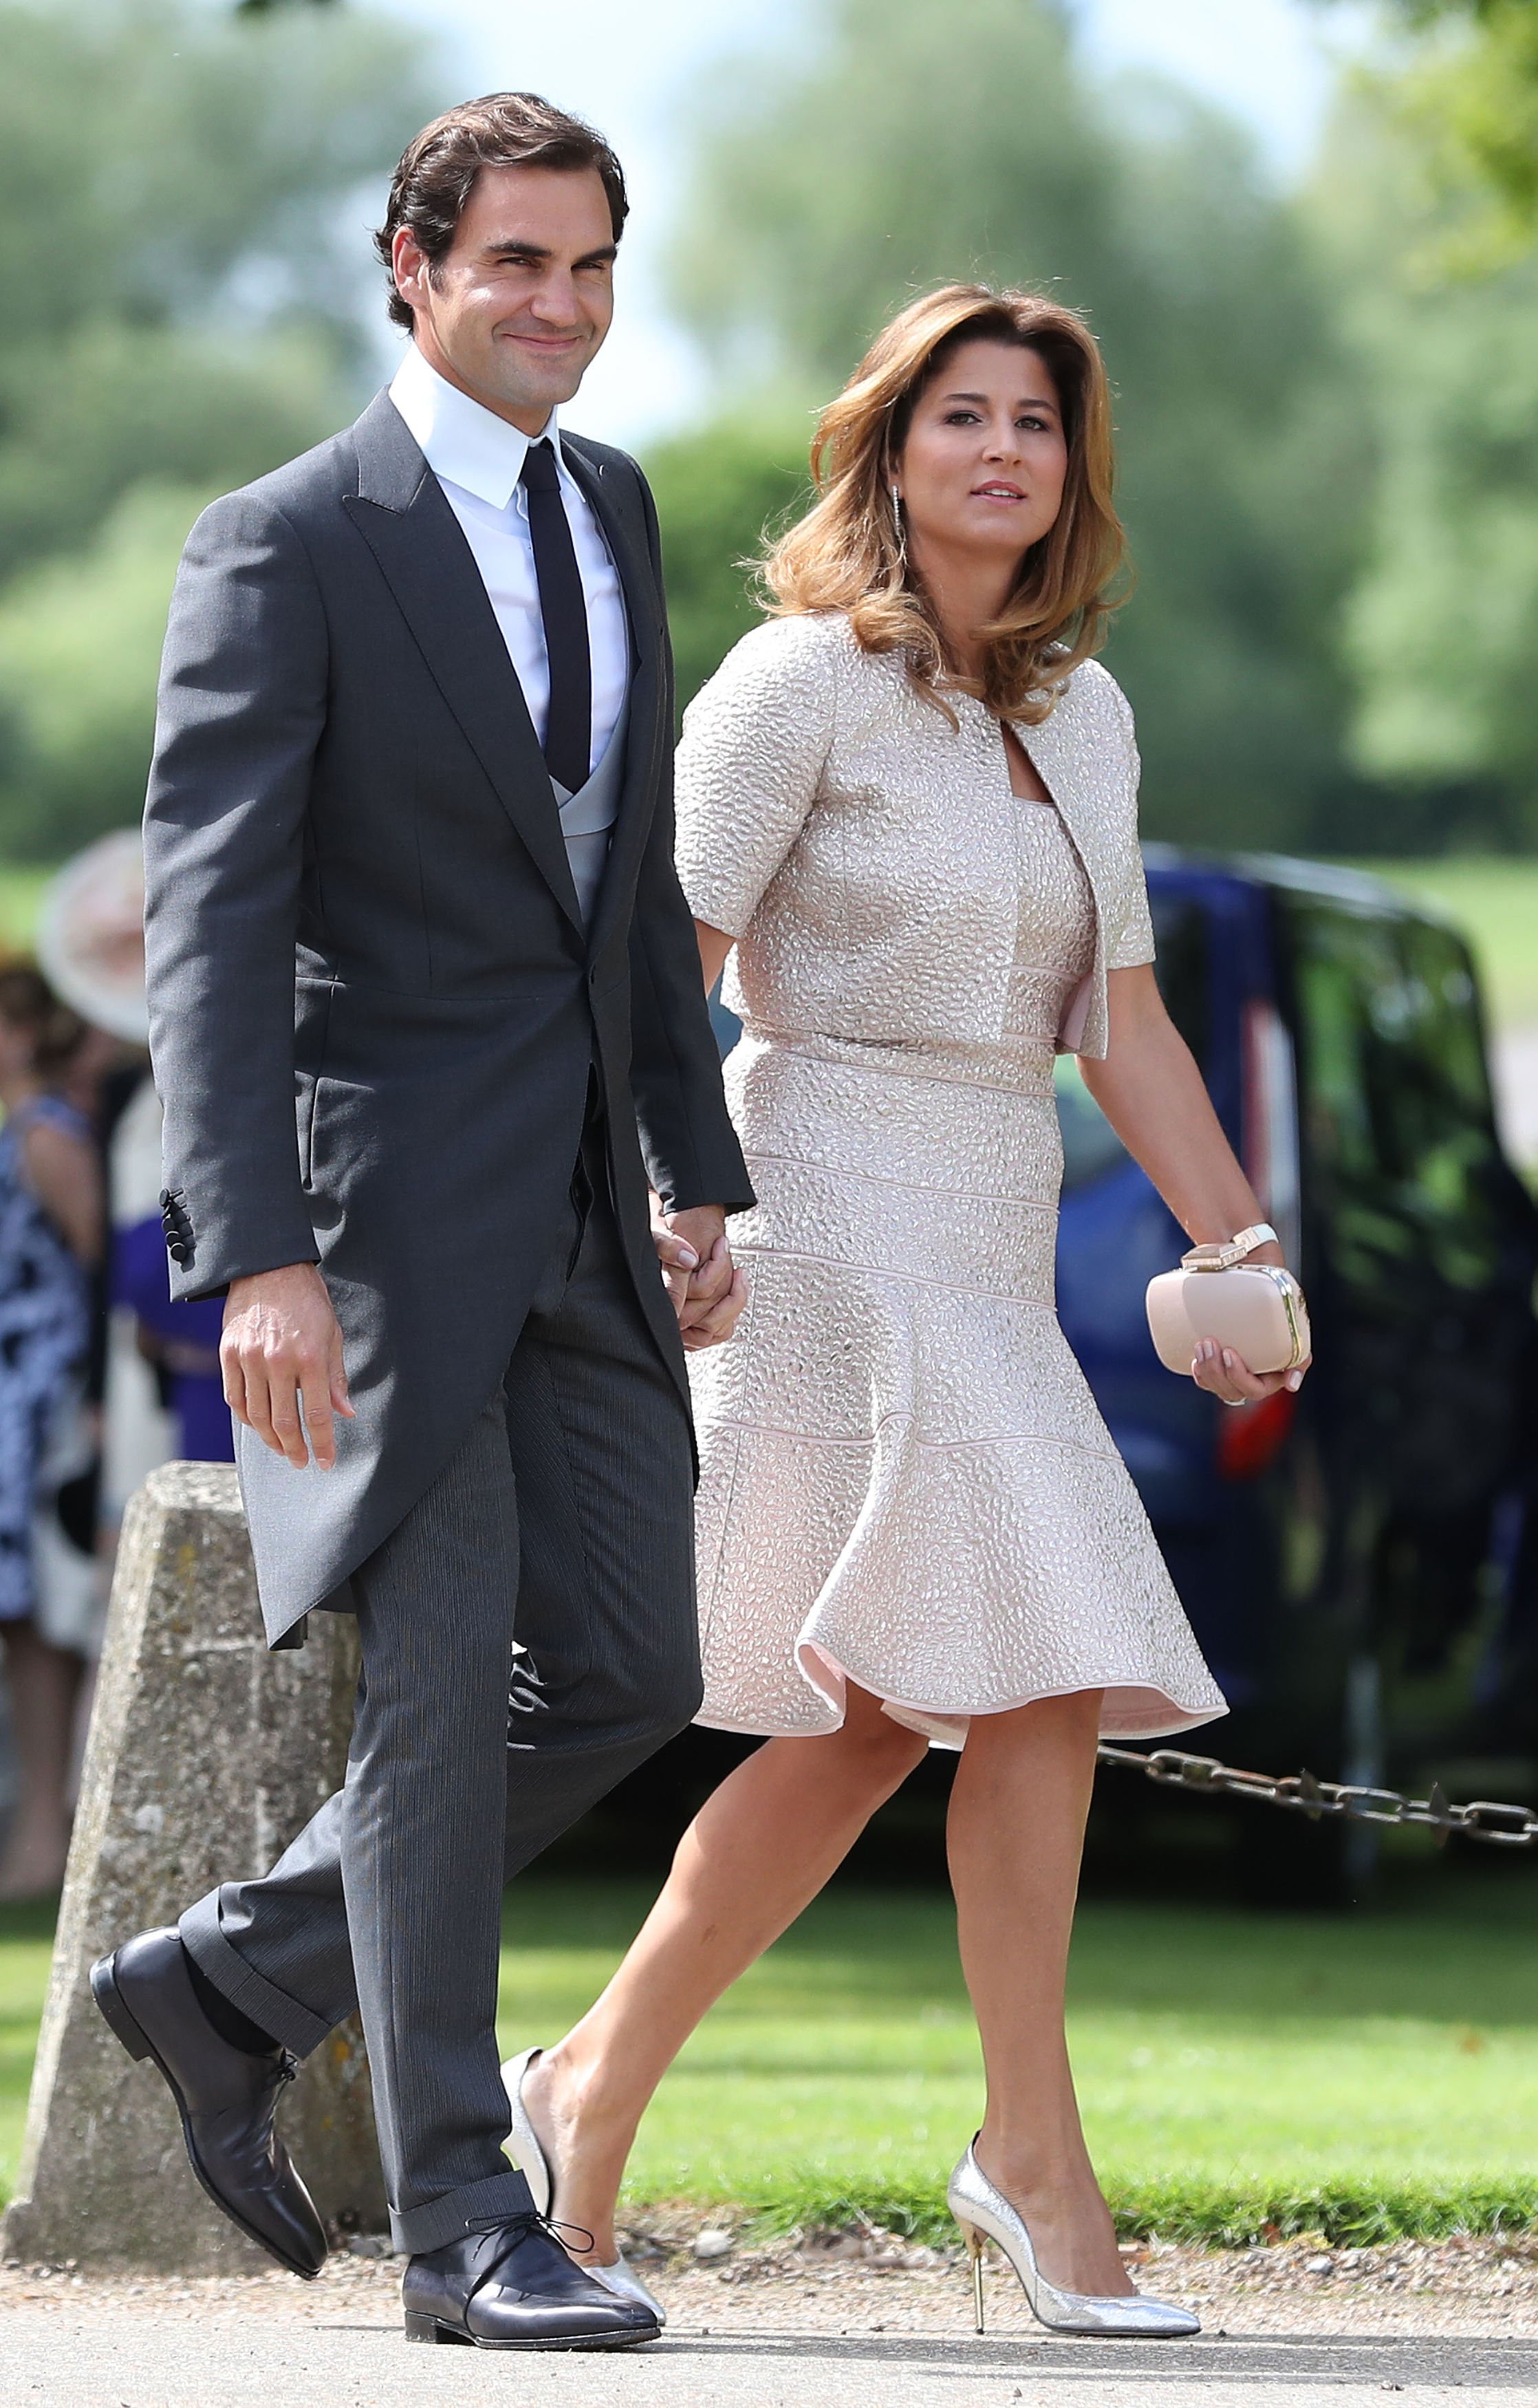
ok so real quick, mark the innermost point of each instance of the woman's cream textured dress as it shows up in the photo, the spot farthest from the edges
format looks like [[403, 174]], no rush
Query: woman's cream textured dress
[[904, 1479]]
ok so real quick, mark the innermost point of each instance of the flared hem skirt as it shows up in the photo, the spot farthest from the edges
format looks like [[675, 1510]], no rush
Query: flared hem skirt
[[905, 1480]]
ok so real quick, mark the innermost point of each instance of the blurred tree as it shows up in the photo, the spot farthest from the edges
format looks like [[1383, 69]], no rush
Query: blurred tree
[[907, 144], [716, 491], [1442, 626], [1472, 95], [79, 647], [184, 197]]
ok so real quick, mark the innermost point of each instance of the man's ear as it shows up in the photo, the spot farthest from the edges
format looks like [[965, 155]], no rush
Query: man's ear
[[409, 262]]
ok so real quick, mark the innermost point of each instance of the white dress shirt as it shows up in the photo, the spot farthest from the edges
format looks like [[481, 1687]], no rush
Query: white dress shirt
[[478, 459]]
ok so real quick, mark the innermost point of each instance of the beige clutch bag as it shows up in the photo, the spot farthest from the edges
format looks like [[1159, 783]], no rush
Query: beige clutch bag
[[1255, 1308]]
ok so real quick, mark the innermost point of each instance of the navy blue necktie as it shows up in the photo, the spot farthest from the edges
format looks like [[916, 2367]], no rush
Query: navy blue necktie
[[568, 731]]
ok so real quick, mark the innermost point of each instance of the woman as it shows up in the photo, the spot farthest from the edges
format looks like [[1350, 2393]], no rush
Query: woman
[[910, 802], [51, 1240]]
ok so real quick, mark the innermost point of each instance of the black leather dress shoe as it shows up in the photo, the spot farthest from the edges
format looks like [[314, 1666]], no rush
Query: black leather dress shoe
[[224, 2096], [515, 2287]]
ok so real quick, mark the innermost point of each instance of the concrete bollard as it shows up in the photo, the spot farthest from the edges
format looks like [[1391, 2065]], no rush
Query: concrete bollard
[[206, 1754]]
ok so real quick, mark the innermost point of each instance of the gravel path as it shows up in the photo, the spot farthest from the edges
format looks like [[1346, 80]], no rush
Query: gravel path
[[852, 2320], [869, 2282]]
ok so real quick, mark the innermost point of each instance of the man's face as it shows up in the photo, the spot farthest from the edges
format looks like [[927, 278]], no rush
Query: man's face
[[523, 300]]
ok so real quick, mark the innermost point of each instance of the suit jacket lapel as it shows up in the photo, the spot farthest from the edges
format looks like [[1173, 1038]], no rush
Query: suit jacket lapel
[[618, 515], [401, 512]]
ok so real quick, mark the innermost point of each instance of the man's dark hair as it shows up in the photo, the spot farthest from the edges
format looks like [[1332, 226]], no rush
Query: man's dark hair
[[432, 184]]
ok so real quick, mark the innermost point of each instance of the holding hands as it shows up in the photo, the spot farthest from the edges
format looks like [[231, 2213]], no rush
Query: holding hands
[[707, 1291], [281, 1350]]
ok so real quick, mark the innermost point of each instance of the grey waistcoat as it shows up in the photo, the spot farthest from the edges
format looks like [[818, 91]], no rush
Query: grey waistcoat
[[587, 816]]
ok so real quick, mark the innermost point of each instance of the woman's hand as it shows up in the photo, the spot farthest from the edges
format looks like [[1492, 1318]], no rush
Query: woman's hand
[[1151, 1092], [1227, 1376], [705, 1288]]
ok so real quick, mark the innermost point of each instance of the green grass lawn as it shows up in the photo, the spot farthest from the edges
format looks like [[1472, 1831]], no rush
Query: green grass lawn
[[1358, 2076], [1236, 2069], [21, 892], [26, 1945]]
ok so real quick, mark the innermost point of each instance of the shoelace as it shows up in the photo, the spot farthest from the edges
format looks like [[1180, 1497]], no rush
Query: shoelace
[[518, 2228]]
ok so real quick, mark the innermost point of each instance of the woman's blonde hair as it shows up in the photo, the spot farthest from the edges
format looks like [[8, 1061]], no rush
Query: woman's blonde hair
[[849, 554]]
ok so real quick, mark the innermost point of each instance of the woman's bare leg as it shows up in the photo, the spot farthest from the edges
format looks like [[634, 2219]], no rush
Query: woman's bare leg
[[1016, 1832], [757, 1853], [45, 1683]]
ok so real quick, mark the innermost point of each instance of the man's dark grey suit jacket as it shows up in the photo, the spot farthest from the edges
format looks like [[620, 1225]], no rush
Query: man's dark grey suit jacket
[[372, 1002]]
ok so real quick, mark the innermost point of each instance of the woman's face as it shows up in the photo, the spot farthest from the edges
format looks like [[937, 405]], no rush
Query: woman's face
[[983, 467]]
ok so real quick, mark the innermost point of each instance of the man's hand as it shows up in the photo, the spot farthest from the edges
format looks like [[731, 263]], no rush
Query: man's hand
[[707, 1293], [281, 1350]]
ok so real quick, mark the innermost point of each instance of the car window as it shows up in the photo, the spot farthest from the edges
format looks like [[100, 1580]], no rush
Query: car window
[[1395, 1092], [1182, 966], [1090, 1147]]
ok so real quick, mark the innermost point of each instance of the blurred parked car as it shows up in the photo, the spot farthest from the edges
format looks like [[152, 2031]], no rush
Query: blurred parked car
[[1360, 1562]]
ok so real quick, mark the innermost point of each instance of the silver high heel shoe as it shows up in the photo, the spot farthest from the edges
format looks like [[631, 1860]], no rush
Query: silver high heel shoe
[[983, 2212], [620, 2278]]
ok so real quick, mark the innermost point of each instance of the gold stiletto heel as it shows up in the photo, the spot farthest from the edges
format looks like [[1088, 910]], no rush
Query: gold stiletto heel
[[974, 2249]]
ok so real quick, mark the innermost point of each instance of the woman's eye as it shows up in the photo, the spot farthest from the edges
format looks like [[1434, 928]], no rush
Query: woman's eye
[[962, 417]]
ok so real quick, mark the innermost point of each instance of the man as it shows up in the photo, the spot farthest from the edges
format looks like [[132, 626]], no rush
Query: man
[[408, 850]]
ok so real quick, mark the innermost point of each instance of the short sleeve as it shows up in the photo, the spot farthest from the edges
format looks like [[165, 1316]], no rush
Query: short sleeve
[[755, 743], [1133, 943]]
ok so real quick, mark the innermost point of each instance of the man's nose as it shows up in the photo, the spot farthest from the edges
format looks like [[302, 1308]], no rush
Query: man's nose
[[556, 299]]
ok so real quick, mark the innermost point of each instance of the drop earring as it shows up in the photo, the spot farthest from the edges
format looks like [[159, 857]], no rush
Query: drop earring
[[900, 525]]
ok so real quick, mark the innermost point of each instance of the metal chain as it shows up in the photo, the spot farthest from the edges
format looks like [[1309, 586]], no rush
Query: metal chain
[[1299, 1793]]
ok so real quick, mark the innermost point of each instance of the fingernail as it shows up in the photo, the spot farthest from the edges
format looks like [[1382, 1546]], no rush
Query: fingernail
[[1294, 1381], [689, 1258], [1228, 1360]]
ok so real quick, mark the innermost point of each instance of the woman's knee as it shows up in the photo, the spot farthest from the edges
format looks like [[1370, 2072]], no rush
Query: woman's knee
[[870, 1750], [1069, 1721]]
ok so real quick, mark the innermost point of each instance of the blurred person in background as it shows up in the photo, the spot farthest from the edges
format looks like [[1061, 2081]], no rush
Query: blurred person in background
[[50, 1246], [178, 1341], [91, 944]]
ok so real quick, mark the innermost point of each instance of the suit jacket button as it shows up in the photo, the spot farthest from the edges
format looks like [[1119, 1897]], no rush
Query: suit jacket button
[[180, 1250]]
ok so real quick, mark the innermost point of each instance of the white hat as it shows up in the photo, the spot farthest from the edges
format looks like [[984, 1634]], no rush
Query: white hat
[[91, 935]]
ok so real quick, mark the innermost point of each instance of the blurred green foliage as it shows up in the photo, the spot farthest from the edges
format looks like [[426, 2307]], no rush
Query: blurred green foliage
[[1328, 400], [1470, 95], [717, 491], [910, 144], [1440, 621], [79, 646], [1329, 440], [183, 196]]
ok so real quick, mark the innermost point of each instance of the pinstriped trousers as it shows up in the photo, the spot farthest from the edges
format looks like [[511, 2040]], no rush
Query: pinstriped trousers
[[551, 1563]]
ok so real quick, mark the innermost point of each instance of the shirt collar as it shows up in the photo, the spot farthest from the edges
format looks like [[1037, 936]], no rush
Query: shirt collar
[[459, 439]]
